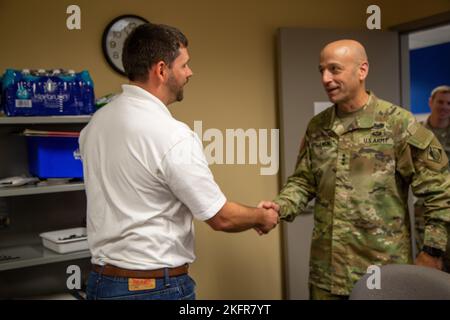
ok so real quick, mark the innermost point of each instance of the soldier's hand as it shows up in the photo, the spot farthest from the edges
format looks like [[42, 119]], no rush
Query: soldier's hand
[[258, 231], [269, 221], [269, 205], [424, 259]]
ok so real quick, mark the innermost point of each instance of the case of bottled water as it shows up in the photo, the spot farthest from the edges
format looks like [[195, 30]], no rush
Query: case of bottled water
[[47, 92]]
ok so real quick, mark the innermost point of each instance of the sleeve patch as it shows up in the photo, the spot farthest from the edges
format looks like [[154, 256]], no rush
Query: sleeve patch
[[420, 136], [434, 154]]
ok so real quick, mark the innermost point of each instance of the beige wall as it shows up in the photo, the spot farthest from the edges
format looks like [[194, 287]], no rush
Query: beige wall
[[232, 45]]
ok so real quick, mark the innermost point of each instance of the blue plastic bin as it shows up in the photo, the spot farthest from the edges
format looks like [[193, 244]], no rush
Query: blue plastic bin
[[54, 157]]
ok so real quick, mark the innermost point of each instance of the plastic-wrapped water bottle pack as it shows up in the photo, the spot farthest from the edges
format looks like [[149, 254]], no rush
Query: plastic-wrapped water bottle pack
[[47, 92]]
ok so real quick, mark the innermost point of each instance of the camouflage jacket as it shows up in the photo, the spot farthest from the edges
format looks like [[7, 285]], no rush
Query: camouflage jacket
[[442, 135], [359, 177]]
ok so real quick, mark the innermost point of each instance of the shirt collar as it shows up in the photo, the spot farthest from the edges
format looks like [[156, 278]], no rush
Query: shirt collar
[[139, 93], [364, 119], [428, 125]]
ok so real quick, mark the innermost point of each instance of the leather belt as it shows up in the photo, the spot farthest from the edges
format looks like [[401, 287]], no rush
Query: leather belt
[[113, 271]]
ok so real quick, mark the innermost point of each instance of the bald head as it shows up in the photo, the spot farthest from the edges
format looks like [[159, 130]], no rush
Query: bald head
[[344, 68], [349, 49]]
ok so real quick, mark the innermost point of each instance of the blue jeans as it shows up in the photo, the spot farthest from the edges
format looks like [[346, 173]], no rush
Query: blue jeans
[[101, 287]]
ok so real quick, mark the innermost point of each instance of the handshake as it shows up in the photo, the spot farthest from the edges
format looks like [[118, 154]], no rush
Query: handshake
[[234, 217], [270, 217]]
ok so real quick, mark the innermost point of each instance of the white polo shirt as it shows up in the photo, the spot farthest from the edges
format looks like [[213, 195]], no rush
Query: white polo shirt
[[146, 179]]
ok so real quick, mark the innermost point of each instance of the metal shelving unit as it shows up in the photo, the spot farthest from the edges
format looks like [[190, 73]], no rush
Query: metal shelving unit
[[43, 120], [34, 255], [24, 249], [39, 189]]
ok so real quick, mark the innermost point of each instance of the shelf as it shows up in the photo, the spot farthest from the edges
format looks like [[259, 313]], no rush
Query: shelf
[[49, 119], [33, 189], [34, 255]]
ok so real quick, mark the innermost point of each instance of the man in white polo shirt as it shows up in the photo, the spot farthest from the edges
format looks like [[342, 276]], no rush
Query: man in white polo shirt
[[146, 179]]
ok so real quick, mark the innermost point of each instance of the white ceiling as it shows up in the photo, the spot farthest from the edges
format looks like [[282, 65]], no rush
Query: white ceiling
[[429, 37]]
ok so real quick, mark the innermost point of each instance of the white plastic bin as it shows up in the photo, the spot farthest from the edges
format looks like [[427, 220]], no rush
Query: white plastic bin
[[67, 240]]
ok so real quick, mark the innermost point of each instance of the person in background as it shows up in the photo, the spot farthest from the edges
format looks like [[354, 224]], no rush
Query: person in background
[[439, 123], [358, 159], [147, 178]]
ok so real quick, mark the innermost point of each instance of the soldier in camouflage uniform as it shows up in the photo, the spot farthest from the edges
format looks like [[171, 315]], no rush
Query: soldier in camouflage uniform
[[439, 123], [357, 160]]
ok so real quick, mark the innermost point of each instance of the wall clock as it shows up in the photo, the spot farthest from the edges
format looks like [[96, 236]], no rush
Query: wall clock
[[114, 37]]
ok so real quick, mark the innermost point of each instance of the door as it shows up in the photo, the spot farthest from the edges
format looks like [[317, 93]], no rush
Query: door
[[300, 89]]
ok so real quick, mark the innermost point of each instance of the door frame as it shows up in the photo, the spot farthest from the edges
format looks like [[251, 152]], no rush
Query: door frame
[[404, 30]]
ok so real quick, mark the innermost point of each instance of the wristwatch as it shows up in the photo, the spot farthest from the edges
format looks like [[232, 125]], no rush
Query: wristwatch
[[434, 252]]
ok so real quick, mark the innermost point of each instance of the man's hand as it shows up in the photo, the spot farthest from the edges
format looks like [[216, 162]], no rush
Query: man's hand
[[424, 259], [271, 209], [234, 217], [269, 205], [269, 221]]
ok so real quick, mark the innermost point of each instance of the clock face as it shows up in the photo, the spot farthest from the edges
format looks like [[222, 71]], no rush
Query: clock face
[[114, 37]]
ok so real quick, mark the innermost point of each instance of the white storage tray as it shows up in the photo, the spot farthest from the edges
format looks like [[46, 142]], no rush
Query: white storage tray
[[67, 240]]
